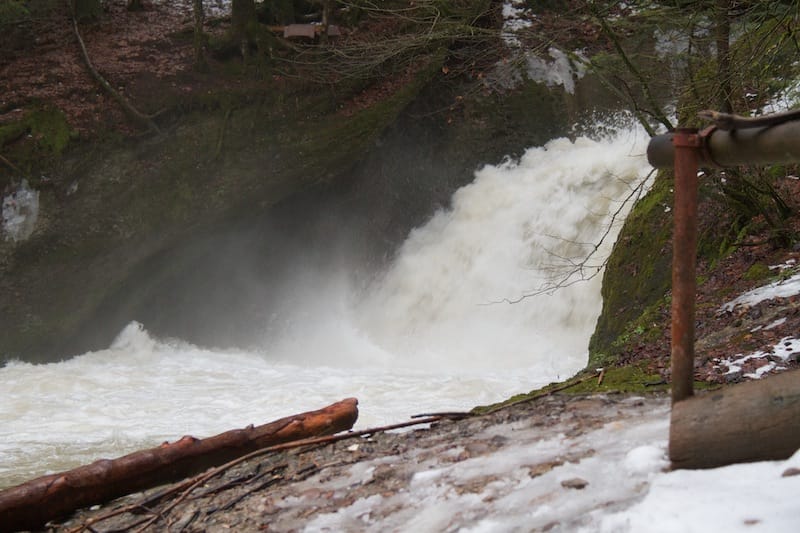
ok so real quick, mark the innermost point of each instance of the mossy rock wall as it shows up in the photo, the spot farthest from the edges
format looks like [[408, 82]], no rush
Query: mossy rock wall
[[110, 206], [638, 278], [638, 272]]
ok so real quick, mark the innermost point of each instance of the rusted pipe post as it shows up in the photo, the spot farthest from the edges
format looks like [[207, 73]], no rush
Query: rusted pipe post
[[687, 144]]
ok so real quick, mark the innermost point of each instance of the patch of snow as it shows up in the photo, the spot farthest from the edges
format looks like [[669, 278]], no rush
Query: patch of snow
[[786, 347], [670, 42], [760, 371], [505, 491], [778, 289], [790, 263], [752, 497], [560, 71], [645, 459], [515, 19], [20, 212], [786, 99], [775, 324], [782, 351], [611, 479], [211, 8]]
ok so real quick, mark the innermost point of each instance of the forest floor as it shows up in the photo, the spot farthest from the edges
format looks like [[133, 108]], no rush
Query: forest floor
[[148, 56], [728, 329], [142, 54]]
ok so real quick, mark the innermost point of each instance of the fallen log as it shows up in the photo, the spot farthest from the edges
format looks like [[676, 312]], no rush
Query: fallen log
[[753, 421], [34, 503]]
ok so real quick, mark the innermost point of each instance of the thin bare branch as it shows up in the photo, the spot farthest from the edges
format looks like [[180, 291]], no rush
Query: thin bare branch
[[582, 270]]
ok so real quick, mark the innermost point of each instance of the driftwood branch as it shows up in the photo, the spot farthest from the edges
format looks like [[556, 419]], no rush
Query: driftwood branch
[[134, 114], [32, 504], [184, 489]]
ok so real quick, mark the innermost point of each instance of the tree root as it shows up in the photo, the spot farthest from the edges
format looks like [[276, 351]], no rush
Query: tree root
[[134, 114]]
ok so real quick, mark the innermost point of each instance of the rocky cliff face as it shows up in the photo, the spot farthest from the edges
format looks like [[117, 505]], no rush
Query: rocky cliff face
[[159, 229]]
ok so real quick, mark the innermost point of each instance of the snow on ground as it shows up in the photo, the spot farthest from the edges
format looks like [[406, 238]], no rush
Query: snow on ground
[[751, 497], [515, 19], [778, 289], [556, 67], [779, 353], [20, 210], [561, 463], [612, 478]]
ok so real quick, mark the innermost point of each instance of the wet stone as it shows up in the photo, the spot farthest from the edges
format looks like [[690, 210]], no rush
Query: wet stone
[[789, 472], [575, 483]]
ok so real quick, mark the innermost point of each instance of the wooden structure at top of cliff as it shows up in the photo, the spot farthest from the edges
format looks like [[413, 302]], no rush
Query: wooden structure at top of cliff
[[306, 31]]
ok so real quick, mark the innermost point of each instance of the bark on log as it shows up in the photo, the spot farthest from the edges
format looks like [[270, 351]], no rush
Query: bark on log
[[754, 421], [34, 503]]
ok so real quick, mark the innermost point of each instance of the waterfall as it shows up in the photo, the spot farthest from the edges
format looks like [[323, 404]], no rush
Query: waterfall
[[484, 301]]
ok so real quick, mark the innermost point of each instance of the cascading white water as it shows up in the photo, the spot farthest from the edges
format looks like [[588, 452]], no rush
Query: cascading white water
[[435, 332]]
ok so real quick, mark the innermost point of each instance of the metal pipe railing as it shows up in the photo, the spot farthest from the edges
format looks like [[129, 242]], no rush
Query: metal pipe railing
[[767, 145], [686, 150], [687, 144]]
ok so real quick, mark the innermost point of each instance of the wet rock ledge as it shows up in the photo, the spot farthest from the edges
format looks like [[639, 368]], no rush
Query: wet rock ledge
[[387, 472]]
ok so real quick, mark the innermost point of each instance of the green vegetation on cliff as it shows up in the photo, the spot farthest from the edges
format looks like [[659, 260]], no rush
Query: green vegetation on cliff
[[637, 274]]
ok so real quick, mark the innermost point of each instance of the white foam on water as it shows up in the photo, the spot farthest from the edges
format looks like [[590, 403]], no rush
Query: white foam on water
[[433, 333]]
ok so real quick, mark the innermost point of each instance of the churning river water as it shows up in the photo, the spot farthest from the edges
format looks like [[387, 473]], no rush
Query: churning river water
[[435, 332]]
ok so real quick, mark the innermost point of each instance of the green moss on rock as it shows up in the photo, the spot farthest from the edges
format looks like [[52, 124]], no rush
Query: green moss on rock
[[628, 379], [35, 141], [638, 272], [757, 272]]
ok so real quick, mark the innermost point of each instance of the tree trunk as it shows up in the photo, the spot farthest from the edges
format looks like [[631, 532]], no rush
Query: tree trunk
[[199, 36], [327, 8], [723, 37], [32, 504], [86, 9], [243, 18], [754, 421]]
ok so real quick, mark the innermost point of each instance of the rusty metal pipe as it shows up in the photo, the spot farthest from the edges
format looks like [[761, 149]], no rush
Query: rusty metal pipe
[[687, 146], [767, 145]]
